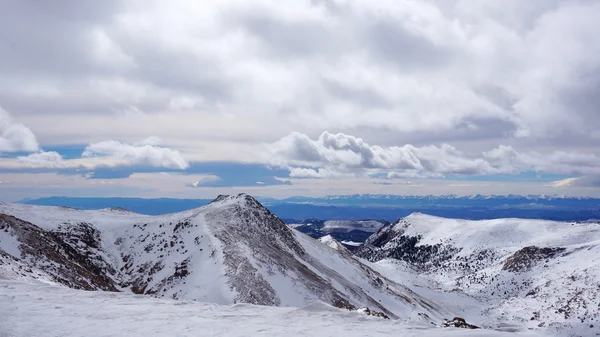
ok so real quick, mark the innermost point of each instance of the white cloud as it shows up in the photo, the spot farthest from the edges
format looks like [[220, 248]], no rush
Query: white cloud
[[335, 155], [410, 71], [44, 159], [592, 181], [462, 75], [137, 154], [152, 141], [205, 181], [302, 173], [559, 162], [15, 137]]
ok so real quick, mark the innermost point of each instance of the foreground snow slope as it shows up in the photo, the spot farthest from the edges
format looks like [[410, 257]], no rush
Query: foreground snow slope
[[32, 309], [230, 251], [533, 273]]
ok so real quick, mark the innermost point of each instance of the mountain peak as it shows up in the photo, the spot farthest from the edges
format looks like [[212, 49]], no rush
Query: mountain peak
[[242, 199]]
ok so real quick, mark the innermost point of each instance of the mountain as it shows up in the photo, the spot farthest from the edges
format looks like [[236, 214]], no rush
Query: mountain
[[351, 233], [475, 207], [138, 205], [447, 200], [232, 250], [506, 274], [534, 273], [370, 206]]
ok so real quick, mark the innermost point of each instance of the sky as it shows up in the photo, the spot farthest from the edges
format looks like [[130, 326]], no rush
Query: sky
[[191, 98]]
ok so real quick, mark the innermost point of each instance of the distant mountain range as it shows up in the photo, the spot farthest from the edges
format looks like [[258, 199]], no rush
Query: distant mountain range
[[137, 205], [369, 206], [477, 200]]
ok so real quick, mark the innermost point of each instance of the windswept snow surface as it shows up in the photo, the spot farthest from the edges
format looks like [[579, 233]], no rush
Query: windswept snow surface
[[33, 309]]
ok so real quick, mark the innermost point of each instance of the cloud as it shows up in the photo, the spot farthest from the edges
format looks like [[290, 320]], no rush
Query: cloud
[[43, 159], [206, 181], [332, 154], [303, 173], [152, 141], [407, 89], [137, 154], [412, 72], [336, 155], [508, 160], [15, 137], [592, 181]]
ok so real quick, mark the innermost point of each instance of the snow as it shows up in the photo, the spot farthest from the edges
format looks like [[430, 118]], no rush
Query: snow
[[9, 244], [237, 252], [330, 241], [354, 273], [50, 217], [34, 309], [557, 294], [229, 251], [499, 233], [468, 306]]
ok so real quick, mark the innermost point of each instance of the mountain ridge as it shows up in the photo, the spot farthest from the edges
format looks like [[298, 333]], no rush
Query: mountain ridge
[[383, 207], [232, 250], [536, 273]]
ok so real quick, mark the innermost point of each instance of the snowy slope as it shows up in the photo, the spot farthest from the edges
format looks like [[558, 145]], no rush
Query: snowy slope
[[533, 273], [35, 309], [230, 251]]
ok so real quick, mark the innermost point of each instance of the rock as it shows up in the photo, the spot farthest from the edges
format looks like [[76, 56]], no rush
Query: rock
[[527, 257], [458, 322], [343, 304]]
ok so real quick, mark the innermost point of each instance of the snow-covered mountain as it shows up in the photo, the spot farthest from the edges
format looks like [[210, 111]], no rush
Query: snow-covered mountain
[[507, 274], [533, 273], [230, 251]]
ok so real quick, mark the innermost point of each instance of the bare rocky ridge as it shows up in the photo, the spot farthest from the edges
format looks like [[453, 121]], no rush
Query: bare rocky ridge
[[524, 259], [69, 254]]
